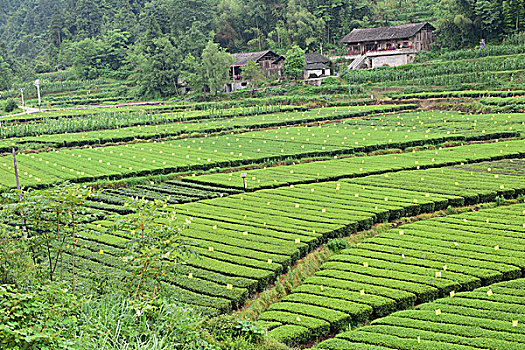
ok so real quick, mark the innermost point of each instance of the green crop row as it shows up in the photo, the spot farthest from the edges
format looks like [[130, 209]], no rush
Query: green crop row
[[113, 120], [90, 258], [499, 101], [361, 136], [171, 191], [361, 166], [96, 112], [473, 187], [246, 240], [81, 101], [413, 264], [157, 130], [53, 87], [489, 317], [310, 214], [173, 156], [459, 94], [483, 66]]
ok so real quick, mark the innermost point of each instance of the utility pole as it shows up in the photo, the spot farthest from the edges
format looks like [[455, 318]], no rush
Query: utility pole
[[37, 84], [16, 175], [22, 93]]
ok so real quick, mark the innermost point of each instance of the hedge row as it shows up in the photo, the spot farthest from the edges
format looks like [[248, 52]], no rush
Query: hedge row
[[459, 94]]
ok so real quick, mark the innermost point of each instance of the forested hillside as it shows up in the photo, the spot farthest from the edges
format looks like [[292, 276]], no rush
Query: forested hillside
[[115, 38]]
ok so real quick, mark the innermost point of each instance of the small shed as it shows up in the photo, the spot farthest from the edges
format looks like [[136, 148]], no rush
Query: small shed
[[316, 66]]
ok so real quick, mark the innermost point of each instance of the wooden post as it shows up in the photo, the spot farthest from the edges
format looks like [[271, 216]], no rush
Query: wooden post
[[24, 228]]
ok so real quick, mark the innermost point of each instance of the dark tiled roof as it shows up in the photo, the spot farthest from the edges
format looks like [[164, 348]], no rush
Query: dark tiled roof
[[314, 57], [315, 66], [244, 57], [385, 33]]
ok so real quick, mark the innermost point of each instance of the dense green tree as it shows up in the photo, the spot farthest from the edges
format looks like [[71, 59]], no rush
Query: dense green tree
[[489, 16], [305, 28], [6, 69], [87, 59], [6, 75], [88, 18], [191, 73], [455, 26], [215, 66], [294, 64], [55, 27], [125, 20], [46, 31], [230, 23], [513, 13], [252, 71], [183, 13], [279, 37], [156, 67], [195, 39], [115, 47]]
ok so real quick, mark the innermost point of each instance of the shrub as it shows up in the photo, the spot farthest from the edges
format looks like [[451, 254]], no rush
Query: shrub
[[10, 105], [227, 327], [114, 321], [500, 200], [337, 244], [330, 81], [44, 318]]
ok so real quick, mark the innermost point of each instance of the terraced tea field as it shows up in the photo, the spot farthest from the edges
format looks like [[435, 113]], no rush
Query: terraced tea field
[[294, 142], [488, 317], [311, 175], [415, 264], [361, 166], [246, 240]]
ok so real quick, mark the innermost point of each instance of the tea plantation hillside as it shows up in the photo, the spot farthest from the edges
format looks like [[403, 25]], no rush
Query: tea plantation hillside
[[382, 209]]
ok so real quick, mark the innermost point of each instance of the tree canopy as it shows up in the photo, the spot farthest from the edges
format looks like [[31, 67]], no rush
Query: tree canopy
[[148, 40]]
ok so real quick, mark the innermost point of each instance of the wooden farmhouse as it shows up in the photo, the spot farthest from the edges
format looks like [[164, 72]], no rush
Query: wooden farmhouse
[[316, 66], [270, 63], [387, 46]]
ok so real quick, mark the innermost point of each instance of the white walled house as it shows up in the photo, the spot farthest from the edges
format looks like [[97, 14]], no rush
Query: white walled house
[[387, 46]]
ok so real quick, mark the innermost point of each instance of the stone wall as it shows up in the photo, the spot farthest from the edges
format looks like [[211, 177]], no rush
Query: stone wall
[[391, 60]]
